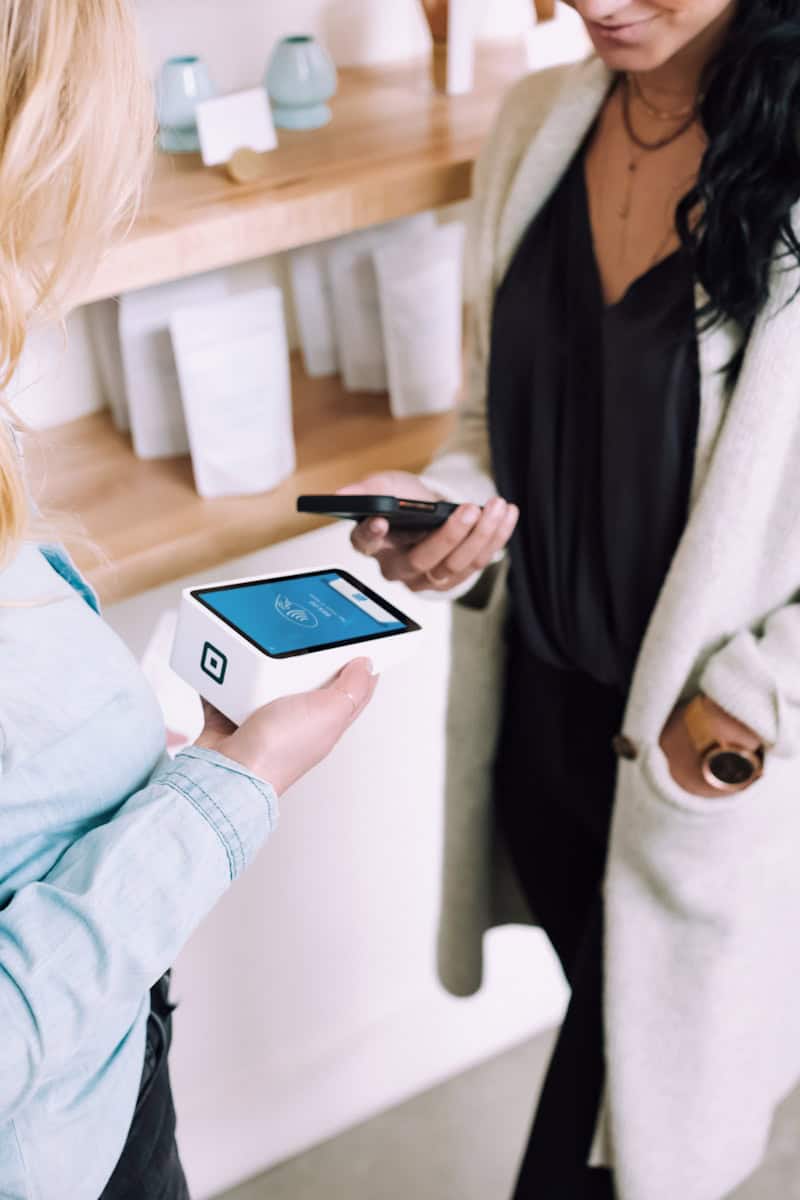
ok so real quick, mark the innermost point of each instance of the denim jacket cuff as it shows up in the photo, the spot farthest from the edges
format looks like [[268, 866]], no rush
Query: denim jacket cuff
[[241, 808]]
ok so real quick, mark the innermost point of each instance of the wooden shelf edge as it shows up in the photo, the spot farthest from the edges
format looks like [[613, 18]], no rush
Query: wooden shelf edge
[[258, 229]]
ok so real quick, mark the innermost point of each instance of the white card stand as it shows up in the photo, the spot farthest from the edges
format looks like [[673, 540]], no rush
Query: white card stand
[[232, 357], [237, 677], [356, 307], [229, 123]]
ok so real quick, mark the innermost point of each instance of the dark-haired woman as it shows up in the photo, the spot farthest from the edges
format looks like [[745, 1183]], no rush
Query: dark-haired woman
[[624, 730]]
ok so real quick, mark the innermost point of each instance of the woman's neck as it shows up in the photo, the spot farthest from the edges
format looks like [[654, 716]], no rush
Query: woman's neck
[[677, 81]]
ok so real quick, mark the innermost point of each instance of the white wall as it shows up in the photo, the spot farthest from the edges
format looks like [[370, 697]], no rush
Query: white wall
[[355, 31], [308, 999]]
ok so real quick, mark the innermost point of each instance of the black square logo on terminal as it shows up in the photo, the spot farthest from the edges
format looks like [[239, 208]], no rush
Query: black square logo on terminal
[[214, 663]]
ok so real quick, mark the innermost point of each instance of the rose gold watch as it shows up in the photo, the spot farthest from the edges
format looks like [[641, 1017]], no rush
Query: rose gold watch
[[726, 766]]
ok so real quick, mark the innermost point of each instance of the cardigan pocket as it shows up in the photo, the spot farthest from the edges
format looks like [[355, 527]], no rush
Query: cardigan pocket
[[702, 992], [710, 856], [659, 780]]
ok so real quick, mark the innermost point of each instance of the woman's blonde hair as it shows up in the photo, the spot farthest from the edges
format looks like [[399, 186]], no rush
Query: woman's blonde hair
[[76, 141]]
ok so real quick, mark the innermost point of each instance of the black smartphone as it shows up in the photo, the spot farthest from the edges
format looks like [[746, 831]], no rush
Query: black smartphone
[[401, 514]]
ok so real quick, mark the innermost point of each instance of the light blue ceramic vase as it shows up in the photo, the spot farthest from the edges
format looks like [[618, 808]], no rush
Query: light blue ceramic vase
[[300, 79], [183, 83]]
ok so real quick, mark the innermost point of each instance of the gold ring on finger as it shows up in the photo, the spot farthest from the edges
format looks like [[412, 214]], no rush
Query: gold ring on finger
[[436, 580]]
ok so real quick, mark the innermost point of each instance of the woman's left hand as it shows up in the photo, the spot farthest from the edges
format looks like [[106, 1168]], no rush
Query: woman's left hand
[[682, 756]]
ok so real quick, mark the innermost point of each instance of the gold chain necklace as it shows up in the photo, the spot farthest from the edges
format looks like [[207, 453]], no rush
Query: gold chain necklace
[[658, 113], [645, 147], [688, 119]]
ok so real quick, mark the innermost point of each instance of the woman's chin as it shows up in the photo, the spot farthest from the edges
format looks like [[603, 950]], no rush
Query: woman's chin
[[629, 58]]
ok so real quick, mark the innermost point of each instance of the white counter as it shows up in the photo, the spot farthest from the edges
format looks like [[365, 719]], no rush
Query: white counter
[[308, 999]]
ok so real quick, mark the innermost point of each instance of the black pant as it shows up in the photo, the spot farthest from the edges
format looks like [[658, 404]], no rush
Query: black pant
[[554, 785], [149, 1168]]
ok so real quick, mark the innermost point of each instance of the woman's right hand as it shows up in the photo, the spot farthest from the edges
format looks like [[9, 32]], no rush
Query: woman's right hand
[[285, 739], [440, 560]]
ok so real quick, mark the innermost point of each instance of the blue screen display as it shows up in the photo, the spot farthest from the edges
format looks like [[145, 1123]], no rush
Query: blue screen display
[[308, 612]]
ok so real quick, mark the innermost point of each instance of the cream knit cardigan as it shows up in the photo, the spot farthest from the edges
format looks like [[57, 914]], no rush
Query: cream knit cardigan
[[702, 897]]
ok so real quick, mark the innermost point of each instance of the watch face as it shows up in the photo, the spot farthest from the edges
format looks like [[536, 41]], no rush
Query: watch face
[[731, 768]]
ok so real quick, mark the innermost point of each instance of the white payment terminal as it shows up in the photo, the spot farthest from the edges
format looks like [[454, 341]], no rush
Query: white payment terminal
[[244, 643]]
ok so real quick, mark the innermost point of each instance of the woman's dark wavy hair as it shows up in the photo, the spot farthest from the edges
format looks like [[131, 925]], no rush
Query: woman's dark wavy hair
[[739, 211]]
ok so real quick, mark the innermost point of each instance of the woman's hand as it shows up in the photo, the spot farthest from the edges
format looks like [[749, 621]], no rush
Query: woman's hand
[[682, 756], [285, 739], [439, 560]]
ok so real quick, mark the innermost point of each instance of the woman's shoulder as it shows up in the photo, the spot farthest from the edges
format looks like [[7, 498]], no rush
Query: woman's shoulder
[[525, 109], [537, 90], [529, 101], [42, 612], [26, 577], [59, 662]]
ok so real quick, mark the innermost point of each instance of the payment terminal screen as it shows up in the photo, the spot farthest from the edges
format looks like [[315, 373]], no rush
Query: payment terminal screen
[[301, 613]]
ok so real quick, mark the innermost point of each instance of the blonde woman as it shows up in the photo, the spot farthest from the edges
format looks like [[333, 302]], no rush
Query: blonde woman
[[110, 853], [625, 712]]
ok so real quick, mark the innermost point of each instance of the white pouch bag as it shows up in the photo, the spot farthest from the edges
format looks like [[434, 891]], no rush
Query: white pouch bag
[[421, 297], [102, 319], [354, 291], [151, 380], [56, 378], [313, 308], [232, 357]]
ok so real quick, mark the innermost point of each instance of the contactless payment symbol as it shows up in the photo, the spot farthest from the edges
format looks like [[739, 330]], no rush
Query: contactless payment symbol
[[214, 663], [290, 610]]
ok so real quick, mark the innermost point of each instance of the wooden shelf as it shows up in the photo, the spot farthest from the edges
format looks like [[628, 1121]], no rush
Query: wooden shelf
[[394, 147], [147, 518]]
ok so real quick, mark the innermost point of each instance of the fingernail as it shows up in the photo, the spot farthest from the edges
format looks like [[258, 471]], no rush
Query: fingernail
[[376, 526], [469, 516]]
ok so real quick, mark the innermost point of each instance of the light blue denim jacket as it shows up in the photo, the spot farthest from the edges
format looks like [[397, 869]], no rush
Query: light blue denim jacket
[[110, 855]]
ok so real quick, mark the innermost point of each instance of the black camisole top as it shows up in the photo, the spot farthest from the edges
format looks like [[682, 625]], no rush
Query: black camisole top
[[593, 412]]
